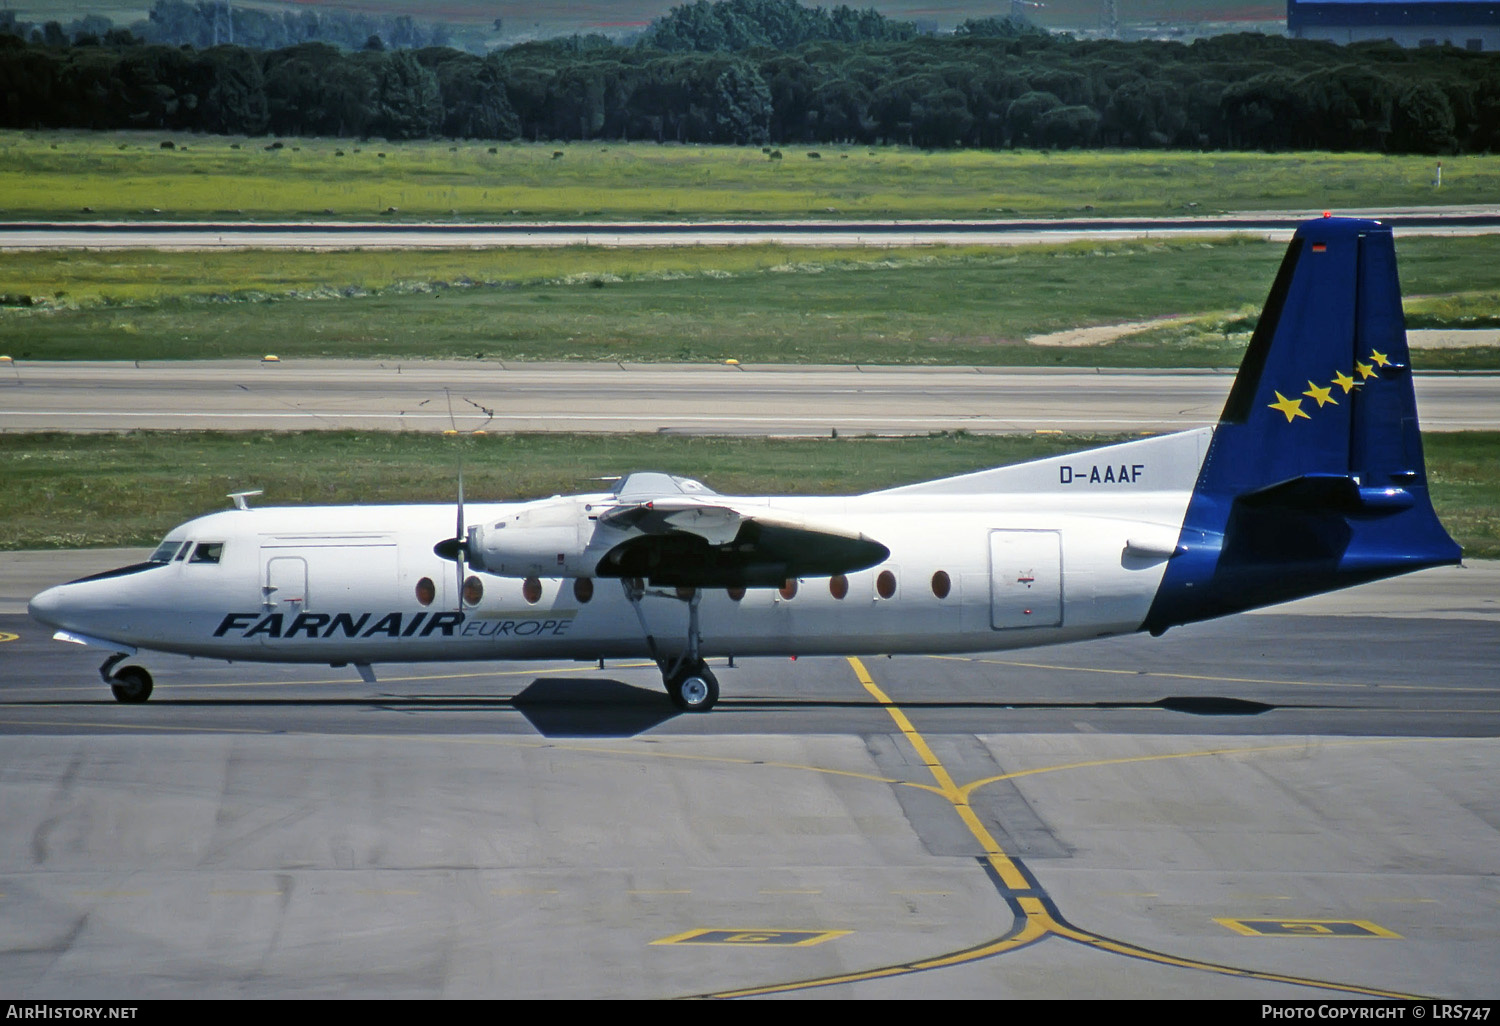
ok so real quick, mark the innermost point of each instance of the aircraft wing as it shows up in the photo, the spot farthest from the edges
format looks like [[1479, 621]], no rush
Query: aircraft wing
[[687, 541], [713, 522]]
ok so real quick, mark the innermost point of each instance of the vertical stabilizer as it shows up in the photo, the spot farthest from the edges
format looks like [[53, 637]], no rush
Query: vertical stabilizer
[[1314, 479]]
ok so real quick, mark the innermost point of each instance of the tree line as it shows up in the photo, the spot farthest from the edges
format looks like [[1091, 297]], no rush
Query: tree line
[[203, 23], [1008, 88]]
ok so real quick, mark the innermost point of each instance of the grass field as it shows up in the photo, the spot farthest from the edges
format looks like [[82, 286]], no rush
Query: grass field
[[763, 304], [78, 175], [78, 491]]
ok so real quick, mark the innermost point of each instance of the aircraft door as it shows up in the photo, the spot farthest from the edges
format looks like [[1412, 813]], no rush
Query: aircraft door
[[1025, 579], [285, 587]]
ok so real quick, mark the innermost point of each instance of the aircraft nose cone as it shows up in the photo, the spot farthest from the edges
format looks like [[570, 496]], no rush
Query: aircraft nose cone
[[47, 607]]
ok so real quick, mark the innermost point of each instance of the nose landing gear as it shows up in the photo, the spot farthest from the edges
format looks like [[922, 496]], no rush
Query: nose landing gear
[[129, 684]]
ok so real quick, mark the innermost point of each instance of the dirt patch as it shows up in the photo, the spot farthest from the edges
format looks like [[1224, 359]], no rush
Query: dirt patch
[[1102, 333], [1418, 338], [1447, 338]]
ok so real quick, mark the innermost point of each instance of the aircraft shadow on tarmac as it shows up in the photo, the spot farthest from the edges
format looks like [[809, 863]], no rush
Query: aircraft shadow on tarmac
[[592, 707], [582, 707]]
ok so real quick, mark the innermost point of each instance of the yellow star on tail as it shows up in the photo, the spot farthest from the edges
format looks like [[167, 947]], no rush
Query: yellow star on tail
[[1324, 396], [1365, 370], [1380, 358], [1291, 407], [1344, 381]]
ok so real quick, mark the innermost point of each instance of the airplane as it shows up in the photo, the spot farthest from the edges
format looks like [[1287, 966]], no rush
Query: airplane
[[1313, 479]]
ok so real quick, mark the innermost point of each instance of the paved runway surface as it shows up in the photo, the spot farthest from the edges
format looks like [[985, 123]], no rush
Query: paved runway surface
[[1274, 806], [1276, 225], [769, 399]]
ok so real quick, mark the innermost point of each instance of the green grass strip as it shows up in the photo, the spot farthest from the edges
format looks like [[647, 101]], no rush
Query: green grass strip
[[63, 175], [80, 491], [962, 306]]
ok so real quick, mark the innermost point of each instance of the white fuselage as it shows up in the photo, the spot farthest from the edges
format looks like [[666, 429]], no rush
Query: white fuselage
[[1031, 555]]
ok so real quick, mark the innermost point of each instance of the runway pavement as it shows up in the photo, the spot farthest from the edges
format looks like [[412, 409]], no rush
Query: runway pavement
[[1273, 225], [709, 399], [1295, 805]]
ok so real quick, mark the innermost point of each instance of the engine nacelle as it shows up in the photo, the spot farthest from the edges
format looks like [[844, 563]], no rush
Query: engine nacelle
[[549, 538]]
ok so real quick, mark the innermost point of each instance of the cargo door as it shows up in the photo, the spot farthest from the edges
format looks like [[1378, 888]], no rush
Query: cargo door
[[1025, 579]]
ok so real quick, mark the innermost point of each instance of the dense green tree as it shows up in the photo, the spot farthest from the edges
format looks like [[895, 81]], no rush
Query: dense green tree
[[742, 105], [235, 98], [1067, 127], [1008, 27], [1422, 121], [407, 101], [475, 105], [737, 25], [1246, 92], [1025, 113]]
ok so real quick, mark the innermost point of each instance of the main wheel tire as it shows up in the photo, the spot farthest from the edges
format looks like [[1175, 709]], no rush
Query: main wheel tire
[[131, 685], [694, 689]]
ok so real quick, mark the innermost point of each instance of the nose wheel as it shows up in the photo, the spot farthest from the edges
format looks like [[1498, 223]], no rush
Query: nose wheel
[[129, 684], [693, 688]]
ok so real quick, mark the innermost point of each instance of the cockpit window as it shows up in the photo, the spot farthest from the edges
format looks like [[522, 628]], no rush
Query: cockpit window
[[207, 552], [166, 550], [182, 552]]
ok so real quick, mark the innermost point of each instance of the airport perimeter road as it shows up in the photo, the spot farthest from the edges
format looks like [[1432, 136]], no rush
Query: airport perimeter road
[[1276, 225], [699, 399], [1292, 806]]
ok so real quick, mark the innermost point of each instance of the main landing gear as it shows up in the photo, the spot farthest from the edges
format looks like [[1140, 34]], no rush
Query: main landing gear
[[130, 684], [690, 684], [692, 688]]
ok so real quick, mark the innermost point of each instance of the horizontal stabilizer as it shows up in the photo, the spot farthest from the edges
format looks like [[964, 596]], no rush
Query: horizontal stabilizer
[[1331, 492]]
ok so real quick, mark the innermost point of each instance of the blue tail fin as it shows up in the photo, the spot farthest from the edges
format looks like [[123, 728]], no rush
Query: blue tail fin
[[1314, 479]]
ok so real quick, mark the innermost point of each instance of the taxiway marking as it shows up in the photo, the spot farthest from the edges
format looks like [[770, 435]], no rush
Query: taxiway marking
[[1036, 916]]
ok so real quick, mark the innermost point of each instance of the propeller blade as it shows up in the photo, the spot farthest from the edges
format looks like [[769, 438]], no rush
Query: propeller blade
[[458, 530], [460, 537]]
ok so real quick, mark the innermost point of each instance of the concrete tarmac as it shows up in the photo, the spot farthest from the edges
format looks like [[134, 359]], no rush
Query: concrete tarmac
[[1296, 805], [190, 235], [709, 399]]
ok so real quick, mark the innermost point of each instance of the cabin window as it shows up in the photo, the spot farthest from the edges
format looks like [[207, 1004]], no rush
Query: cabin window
[[207, 552], [473, 591], [789, 588], [735, 592], [583, 589], [838, 586], [531, 590], [426, 591], [885, 584], [941, 584]]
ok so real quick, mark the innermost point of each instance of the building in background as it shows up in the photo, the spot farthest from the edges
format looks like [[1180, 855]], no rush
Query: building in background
[[1469, 24]]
